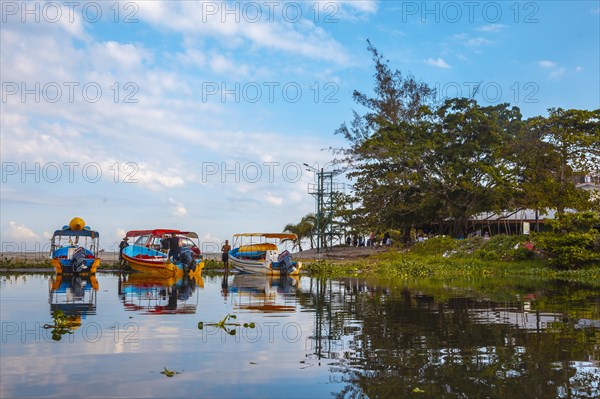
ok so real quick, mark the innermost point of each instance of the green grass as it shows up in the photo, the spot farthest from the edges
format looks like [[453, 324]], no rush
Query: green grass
[[213, 264], [444, 257]]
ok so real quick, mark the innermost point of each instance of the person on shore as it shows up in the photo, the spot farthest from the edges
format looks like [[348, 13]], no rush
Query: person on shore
[[371, 242], [225, 254], [387, 240], [122, 246]]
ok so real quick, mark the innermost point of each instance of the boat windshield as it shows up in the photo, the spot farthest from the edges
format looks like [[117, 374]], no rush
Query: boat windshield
[[142, 240], [186, 242]]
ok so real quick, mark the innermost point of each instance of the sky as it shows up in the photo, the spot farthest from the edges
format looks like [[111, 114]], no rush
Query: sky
[[199, 115]]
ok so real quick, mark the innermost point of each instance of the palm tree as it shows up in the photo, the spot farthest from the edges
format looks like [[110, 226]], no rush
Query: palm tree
[[304, 229], [309, 222]]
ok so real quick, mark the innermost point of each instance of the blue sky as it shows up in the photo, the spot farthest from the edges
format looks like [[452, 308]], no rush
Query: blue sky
[[199, 115]]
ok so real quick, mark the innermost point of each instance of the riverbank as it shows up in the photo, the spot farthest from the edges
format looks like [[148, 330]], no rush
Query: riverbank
[[109, 261], [441, 257], [444, 257]]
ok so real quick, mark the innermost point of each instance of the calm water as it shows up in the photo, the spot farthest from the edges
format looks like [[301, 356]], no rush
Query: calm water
[[312, 338]]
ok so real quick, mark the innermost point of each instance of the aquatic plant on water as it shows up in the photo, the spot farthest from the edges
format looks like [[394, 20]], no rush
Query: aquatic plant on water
[[63, 324], [226, 325]]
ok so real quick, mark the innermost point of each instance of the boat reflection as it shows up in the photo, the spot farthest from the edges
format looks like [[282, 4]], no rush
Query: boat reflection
[[149, 294], [74, 295], [263, 293]]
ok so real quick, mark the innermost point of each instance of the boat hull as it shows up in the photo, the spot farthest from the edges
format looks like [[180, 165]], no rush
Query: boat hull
[[149, 261], [61, 267], [260, 266]]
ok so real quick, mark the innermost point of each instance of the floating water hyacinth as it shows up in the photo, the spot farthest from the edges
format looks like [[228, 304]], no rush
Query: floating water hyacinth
[[226, 326], [169, 373]]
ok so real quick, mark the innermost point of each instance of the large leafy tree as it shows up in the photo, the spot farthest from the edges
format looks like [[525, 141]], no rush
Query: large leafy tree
[[468, 170], [571, 141], [415, 162], [387, 147]]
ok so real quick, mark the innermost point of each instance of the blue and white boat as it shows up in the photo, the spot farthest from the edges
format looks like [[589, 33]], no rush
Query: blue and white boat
[[258, 253]]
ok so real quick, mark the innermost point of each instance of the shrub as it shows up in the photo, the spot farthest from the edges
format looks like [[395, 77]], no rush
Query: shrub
[[435, 246], [523, 253], [571, 250], [573, 243], [486, 254]]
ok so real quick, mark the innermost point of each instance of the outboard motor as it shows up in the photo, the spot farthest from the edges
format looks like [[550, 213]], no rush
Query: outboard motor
[[187, 260], [285, 262], [78, 260]]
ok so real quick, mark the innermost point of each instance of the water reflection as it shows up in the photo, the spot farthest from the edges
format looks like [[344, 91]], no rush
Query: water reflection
[[158, 295], [263, 293], [74, 295], [313, 337], [394, 341]]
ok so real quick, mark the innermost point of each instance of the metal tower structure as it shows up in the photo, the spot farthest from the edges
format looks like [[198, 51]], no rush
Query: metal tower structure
[[324, 191]]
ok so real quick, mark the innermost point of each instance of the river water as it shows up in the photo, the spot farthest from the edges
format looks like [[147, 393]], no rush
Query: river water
[[130, 336]]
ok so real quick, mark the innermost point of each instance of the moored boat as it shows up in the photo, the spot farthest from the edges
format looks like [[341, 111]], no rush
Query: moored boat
[[74, 249], [149, 253], [257, 253]]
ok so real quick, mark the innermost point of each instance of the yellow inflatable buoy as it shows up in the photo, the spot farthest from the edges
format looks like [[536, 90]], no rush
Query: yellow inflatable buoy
[[76, 224]]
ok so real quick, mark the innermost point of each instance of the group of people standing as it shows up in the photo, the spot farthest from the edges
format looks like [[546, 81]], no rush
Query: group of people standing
[[372, 241]]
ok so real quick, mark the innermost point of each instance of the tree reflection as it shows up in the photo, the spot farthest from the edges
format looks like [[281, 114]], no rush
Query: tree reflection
[[406, 341]]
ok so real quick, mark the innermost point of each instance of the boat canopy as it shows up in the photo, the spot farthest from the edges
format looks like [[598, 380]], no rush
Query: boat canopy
[[76, 233], [282, 236], [160, 233]]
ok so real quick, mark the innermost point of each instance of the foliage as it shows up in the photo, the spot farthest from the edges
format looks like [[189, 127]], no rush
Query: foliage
[[212, 264], [435, 246], [225, 325], [573, 243], [417, 163], [8, 262], [573, 222], [169, 373], [306, 228], [63, 324], [551, 152]]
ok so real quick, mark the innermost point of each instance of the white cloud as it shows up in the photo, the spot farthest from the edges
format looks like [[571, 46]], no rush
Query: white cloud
[[438, 63], [546, 64], [110, 55], [303, 38], [178, 208], [491, 28], [477, 41], [465, 40], [227, 66], [366, 6], [158, 179], [19, 233], [557, 73], [579, 69], [272, 199]]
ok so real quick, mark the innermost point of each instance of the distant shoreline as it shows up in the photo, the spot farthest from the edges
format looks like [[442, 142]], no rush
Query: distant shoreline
[[105, 257]]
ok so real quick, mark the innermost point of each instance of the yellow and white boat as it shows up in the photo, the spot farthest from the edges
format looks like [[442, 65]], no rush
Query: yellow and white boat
[[257, 253]]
